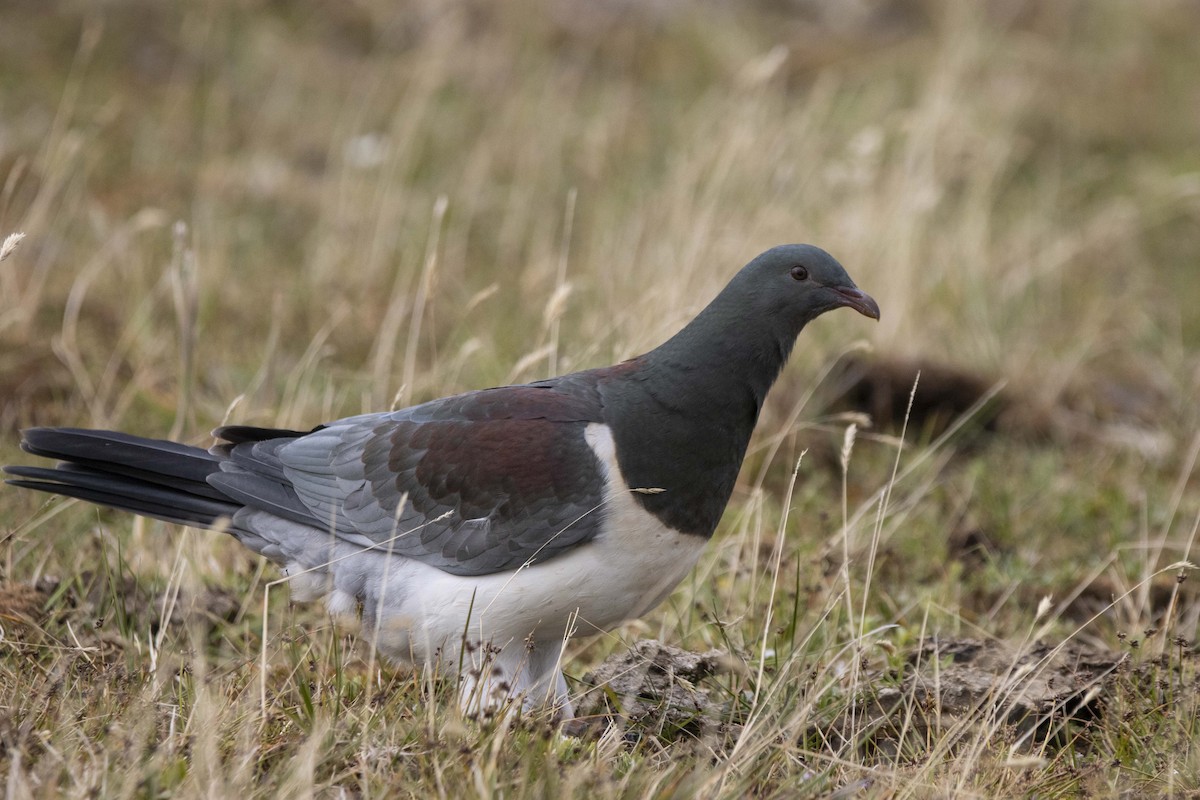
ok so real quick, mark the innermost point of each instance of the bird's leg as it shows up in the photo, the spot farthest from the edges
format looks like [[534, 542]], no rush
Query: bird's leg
[[540, 682], [493, 678]]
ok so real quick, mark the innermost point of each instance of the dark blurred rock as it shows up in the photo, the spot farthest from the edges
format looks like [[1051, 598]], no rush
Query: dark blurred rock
[[881, 388]]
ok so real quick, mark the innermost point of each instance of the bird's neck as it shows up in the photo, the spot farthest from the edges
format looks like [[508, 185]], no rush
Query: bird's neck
[[724, 356], [687, 410]]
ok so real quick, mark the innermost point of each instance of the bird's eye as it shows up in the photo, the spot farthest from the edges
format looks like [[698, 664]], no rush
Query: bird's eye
[[800, 273]]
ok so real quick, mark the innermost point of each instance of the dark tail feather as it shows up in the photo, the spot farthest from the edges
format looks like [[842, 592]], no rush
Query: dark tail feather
[[151, 460], [151, 477]]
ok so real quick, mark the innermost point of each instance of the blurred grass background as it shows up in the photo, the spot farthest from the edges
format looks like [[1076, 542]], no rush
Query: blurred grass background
[[280, 213]]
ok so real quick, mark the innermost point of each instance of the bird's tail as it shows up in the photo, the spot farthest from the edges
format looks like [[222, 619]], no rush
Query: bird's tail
[[150, 477]]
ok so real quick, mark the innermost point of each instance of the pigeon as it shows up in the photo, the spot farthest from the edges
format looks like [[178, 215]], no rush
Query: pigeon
[[477, 533]]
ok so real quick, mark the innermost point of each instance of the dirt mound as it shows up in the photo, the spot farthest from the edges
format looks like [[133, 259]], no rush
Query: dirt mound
[[1033, 691], [655, 689]]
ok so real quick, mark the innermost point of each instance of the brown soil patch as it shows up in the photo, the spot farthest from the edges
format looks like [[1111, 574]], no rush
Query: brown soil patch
[[21, 604], [91, 602]]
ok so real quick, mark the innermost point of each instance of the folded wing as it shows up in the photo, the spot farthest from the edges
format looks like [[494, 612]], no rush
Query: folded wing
[[473, 484]]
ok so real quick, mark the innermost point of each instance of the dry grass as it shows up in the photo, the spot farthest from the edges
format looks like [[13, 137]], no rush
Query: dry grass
[[280, 215]]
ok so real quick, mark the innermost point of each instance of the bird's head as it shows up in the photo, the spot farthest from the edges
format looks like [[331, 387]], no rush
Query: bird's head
[[799, 282], [755, 319]]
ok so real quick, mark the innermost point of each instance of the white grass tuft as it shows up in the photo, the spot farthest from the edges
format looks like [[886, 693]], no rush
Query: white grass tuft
[[9, 245]]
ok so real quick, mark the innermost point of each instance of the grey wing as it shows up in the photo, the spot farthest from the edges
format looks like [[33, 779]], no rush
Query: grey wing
[[470, 493]]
